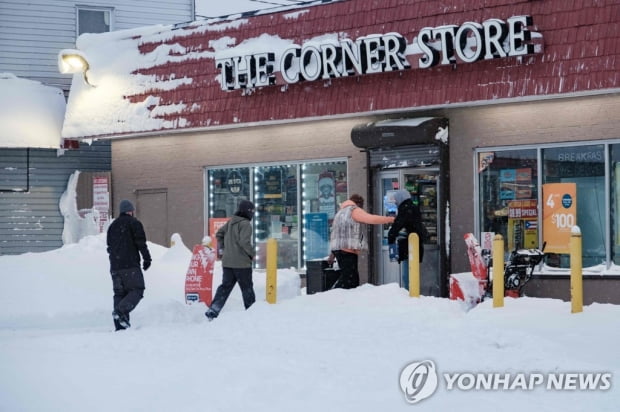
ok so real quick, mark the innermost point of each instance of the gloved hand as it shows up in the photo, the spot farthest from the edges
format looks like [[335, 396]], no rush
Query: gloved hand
[[393, 250], [220, 253], [146, 264]]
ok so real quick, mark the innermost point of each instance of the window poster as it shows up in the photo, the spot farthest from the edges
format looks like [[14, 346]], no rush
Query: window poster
[[522, 224], [234, 182], [507, 184], [316, 235], [486, 240], [484, 160], [559, 215], [327, 194], [273, 184], [524, 183], [101, 200]]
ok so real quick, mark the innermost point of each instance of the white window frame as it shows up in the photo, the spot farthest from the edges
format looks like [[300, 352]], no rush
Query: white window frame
[[79, 7]]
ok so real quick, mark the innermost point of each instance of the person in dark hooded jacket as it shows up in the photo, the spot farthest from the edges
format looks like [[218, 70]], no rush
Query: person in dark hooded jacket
[[234, 240], [126, 240], [408, 220]]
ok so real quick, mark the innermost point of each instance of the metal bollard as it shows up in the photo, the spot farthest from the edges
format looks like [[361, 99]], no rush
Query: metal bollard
[[576, 271], [271, 287], [498, 271], [413, 243]]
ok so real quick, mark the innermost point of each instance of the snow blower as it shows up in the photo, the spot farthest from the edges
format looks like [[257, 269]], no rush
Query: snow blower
[[477, 286]]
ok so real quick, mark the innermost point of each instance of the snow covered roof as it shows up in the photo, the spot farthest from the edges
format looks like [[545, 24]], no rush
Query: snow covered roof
[[159, 78], [244, 8], [31, 114]]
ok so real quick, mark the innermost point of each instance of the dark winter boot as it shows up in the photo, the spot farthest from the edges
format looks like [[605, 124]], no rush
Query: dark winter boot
[[211, 314], [121, 319]]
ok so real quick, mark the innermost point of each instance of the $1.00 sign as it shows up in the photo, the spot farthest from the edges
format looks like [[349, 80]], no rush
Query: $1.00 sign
[[559, 215]]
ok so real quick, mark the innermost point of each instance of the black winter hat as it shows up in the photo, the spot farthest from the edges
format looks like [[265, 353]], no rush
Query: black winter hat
[[126, 206], [245, 209]]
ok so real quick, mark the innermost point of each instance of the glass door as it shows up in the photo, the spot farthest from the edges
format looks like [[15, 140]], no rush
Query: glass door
[[423, 186], [386, 183]]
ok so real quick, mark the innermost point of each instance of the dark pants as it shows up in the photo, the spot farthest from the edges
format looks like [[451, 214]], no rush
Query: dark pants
[[229, 278], [349, 275], [128, 285]]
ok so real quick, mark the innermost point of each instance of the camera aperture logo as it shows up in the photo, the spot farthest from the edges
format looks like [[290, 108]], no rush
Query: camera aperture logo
[[418, 380]]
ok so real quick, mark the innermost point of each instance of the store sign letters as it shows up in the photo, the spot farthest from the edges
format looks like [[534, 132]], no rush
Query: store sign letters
[[442, 45]]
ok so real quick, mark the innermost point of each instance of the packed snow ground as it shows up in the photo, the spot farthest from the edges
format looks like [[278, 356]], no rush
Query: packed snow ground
[[342, 350]]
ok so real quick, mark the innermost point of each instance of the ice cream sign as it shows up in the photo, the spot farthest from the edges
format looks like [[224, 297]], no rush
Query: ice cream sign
[[442, 45]]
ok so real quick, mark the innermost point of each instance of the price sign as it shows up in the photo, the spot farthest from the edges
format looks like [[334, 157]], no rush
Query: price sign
[[559, 215]]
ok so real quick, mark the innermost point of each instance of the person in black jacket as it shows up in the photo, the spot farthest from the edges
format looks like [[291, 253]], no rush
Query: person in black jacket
[[408, 220], [126, 241]]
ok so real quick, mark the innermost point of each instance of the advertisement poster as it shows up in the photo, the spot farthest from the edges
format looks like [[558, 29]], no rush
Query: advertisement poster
[[101, 200], [486, 240], [507, 184], [524, 183], [484, 160], [215, 223], [317, 235], [522, 224], [199, 276], [234, 182], [327, 194], [273, 184], [559, 215]]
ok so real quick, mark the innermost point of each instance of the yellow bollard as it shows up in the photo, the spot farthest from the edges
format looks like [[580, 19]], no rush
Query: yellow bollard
[[271, 288], [498, 271], [413, 243], [576, 272]]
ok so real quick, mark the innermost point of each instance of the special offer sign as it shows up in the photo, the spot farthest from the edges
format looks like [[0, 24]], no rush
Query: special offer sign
[[199, 277], [559, 215]]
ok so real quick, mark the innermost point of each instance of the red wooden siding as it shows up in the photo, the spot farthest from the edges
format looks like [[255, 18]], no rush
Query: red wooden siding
[[581, 54]]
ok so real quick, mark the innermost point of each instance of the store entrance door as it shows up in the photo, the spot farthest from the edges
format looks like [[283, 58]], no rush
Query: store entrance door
[[423, 185]]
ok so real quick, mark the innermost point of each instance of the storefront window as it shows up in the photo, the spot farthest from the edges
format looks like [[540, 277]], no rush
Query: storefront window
[[615, 202], [227, 187], [299, 220], [508, 197], [324, 188], [276, 217], [582, 170]]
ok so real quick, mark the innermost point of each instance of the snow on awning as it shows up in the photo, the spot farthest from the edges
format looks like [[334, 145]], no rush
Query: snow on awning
[[31, 114]]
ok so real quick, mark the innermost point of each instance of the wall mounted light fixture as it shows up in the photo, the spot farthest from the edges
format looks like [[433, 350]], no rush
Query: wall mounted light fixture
[[74, 61]]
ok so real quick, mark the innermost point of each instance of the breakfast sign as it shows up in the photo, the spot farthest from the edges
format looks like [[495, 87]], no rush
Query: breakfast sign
[[442, 45]]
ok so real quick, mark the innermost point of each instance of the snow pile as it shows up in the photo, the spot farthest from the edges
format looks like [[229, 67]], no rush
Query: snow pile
[[72, 286], [342, 350], [31, 114], [75, 226]]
